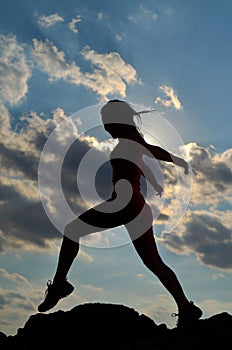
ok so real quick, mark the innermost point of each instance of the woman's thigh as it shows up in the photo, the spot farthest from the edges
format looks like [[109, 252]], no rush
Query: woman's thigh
[[145, 245], [136, 216], [99, 218], [140, 224]]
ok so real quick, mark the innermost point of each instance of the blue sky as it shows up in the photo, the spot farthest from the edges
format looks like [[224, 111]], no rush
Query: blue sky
[[57, 58]]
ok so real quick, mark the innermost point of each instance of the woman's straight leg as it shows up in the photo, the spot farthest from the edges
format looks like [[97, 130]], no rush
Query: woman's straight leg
[[147, 250]]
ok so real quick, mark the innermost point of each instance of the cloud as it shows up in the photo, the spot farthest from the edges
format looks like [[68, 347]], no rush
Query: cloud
[[144, 16], [55, 18], [172, 101], [14, 70], [73, 23], [14, 277], [24, 223], [217, 276], [3, 301], [140, 275], [159, 309], [16, 306], [206, 229], [207, 235], [91, 288], [109, 77], [119, 37], [52, 61], [85, 256], [51, 20], [100, 16], [212, 185], [213, 307], [5, 123]]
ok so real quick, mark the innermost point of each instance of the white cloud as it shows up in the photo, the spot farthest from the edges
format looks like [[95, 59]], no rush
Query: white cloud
[[92, 288], [14, 70], [159, 309], [140, 275], [217, 276], [85, 256], [52, 61], [212, 307], [73, 23], [148, 13], [172, 101], [143, 15], [110, 76], [4, 120], [51, 20], [100, 16], [119, 37]]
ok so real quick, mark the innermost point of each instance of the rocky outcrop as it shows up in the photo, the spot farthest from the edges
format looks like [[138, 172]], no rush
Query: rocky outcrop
[[111, 326]]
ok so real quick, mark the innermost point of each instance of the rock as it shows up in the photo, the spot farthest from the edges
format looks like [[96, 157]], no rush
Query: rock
[[3, 339], [111, 326]]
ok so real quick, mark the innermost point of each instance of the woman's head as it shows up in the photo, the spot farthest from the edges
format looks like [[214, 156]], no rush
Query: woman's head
[[117, 117]]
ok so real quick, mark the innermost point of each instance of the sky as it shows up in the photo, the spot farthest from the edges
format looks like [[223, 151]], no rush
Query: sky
[[59, 63]]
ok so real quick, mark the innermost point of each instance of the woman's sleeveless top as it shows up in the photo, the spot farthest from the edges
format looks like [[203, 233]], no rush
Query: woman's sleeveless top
[[126, 161]]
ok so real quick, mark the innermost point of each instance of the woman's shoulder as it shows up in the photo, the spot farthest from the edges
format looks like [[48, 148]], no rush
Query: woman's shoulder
[[128, 149]]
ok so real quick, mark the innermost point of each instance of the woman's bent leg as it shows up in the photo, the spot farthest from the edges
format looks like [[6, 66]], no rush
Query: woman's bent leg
[[93, 220], [90, 221]]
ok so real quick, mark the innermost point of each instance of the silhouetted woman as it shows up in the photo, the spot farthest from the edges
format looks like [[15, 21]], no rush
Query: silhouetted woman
[[127, 207]]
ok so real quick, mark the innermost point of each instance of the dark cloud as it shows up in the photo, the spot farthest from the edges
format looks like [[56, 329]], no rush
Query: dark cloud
[[19, 161], [24, 221], [23, 218], [101, 180], [3, 301], [163, 217], [16, 295], [206, 236], [26, 306], [212, 169]]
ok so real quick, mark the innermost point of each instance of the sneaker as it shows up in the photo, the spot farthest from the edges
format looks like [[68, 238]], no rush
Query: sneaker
[[54, 294], [187, 317]]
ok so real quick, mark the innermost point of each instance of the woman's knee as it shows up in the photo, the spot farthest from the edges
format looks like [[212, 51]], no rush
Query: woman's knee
[[77, 229], [72, 231]]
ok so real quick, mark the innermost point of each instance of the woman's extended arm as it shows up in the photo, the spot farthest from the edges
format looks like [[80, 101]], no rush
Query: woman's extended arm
[[159, 153]]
